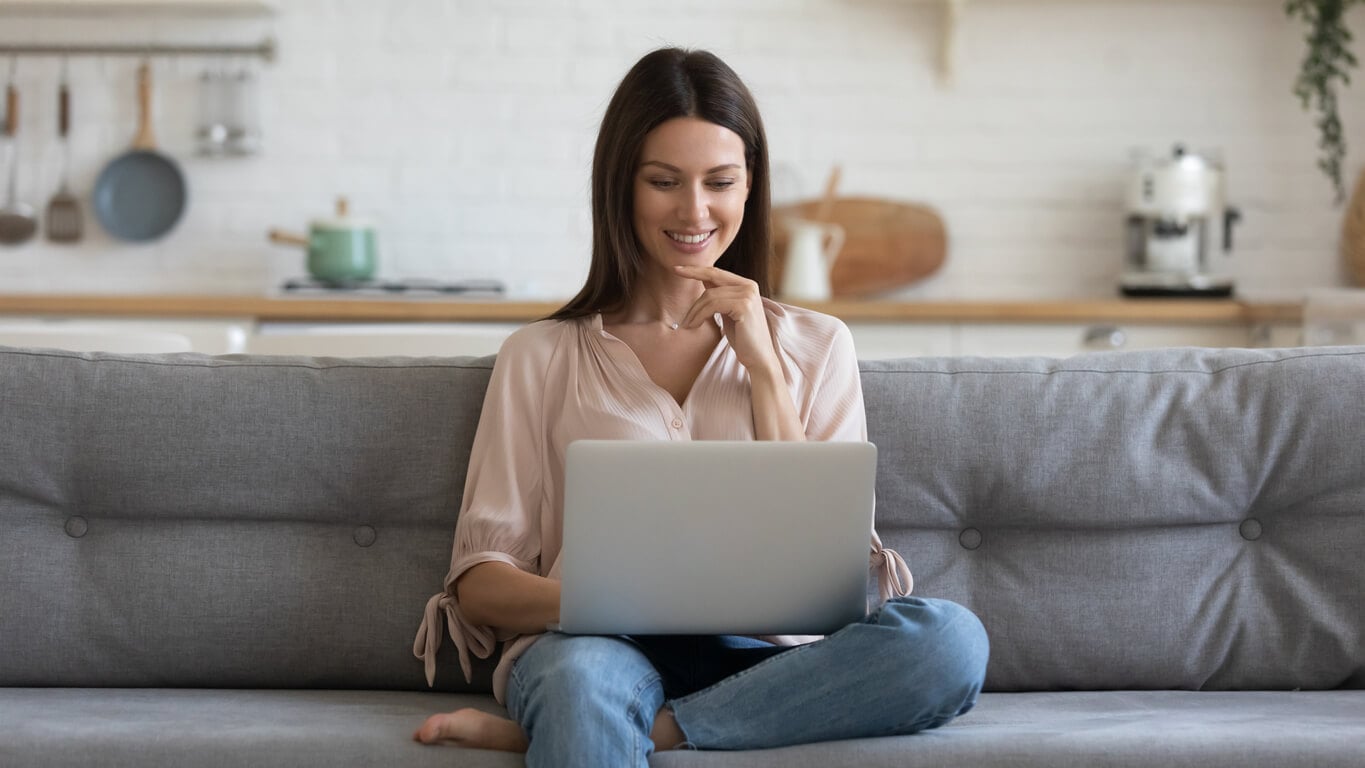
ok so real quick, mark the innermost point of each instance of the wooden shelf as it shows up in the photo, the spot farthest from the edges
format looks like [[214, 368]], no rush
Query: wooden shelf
[[208, 8]]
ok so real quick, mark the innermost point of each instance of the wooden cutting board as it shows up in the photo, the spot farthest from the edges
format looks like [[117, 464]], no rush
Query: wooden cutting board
[[889, 244], [1353, 233]]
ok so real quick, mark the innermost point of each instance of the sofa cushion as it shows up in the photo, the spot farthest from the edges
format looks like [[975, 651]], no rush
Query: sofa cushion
[[150, 727], [184, 520], [1146, 729], [1186, 518], [113, 728]]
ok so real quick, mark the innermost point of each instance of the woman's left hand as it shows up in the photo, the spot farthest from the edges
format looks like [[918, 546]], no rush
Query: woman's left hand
[[737, 300]]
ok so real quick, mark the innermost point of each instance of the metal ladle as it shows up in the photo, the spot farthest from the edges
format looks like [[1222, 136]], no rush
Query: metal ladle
[[17, 220]]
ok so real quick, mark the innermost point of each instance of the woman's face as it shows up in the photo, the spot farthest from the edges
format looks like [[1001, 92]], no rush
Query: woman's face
[[690, 189]]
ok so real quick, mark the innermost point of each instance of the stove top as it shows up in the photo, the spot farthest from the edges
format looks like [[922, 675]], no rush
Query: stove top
[[407, 286]]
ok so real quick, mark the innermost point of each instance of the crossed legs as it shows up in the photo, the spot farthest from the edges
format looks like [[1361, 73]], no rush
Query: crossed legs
[[583, 700]]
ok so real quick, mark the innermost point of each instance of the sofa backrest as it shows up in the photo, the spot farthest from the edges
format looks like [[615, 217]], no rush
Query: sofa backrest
[[182, 520], [1185, 518], [1170, 519]]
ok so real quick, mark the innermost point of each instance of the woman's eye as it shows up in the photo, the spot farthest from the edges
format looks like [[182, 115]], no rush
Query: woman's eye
[[665, 183]]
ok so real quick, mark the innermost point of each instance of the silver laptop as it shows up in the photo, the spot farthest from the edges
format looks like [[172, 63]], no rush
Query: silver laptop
[[715, 537]]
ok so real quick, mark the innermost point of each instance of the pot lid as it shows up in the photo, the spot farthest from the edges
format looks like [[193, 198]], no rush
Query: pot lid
[[343, 219], [1181, 158], [352, 222]]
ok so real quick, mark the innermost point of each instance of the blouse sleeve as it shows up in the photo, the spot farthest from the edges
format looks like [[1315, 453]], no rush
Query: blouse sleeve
[[500, 513], [837, 413]]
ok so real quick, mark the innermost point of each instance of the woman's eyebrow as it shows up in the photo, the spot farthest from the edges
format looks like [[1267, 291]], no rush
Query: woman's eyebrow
[[675, 169]]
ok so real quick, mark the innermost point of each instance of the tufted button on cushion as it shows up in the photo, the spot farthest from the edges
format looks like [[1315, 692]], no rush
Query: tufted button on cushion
[[1250, 529], [76, 526], [970, 538], [364, 535]]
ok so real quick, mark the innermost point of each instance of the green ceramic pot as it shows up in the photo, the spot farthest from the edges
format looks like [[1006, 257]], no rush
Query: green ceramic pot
[[340, 250], [341, 253]]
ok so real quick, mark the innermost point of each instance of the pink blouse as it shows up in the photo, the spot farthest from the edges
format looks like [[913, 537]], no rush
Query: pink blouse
[[559, 381]]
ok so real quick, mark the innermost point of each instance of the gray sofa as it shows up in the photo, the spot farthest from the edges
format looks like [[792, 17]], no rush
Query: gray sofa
[[223, 560]]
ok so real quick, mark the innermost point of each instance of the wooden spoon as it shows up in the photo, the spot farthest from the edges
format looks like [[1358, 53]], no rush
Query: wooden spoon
[[827, 202]]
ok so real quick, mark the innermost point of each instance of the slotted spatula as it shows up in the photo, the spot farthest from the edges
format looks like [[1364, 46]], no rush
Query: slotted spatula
[[64, 210]]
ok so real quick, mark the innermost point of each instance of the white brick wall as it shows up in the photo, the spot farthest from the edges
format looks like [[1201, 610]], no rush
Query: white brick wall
[[466, 129]]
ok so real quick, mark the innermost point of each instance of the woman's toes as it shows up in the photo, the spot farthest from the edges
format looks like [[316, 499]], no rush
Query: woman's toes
[[472, 728]]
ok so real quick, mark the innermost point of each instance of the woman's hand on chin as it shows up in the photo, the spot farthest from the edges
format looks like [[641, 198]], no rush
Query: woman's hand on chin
[[737, 300]]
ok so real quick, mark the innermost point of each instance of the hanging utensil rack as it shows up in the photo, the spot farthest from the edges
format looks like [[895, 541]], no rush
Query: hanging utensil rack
[[265, 49]]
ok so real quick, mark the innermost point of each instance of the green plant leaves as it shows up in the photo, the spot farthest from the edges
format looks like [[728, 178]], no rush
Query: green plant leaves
[[1328, 61]]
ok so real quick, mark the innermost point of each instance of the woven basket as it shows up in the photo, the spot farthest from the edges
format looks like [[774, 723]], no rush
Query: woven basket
[[1353, 234]]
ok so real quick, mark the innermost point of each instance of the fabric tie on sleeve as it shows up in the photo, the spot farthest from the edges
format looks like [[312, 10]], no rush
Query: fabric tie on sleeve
[[428, 640], [893, 575]]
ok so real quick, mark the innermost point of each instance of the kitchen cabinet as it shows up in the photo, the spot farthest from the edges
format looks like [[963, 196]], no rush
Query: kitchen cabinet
[[1063, 339], [871, 340], [365, 325], [377, 340], [881, 341], [1278, 335], [211, 337]]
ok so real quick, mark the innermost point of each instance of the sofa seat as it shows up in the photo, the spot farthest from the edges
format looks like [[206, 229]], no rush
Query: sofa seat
[[112, 728], [203, 727]]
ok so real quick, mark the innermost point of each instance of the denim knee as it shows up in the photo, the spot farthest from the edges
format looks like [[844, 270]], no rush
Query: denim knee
[[573, 664], [576, 670], [585, 701], [950, 642]]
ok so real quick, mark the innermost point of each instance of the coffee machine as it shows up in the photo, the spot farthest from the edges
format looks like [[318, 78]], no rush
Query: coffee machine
[[1179, 228]]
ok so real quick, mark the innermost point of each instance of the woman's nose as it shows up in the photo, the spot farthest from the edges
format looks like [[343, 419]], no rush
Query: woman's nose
[[693, 205]]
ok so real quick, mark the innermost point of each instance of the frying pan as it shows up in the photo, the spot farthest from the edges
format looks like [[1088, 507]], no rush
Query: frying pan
[[140, 194]]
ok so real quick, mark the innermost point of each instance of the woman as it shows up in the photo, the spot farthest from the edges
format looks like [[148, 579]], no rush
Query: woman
[[673, 338]]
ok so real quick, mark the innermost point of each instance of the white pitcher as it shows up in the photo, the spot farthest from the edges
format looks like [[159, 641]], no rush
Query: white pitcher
[[811, 252]]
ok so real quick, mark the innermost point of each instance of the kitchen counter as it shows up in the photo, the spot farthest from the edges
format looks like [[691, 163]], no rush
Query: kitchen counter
[[379, 309]]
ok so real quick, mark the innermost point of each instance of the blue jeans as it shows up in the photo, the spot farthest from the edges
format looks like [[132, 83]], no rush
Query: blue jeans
[[591, 700]]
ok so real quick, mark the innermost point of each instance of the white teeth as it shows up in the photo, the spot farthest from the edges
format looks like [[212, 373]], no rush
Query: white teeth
[[689, 239]]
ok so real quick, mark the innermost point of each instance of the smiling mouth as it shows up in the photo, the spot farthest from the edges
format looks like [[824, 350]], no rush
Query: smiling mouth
[[690, 239]]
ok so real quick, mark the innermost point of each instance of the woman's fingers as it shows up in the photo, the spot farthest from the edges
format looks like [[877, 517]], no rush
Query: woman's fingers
[[726, 292], [738, 300], [712, 275], [731, 300]]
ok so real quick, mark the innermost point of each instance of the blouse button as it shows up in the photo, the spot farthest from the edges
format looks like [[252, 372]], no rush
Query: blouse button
[[677, 423]]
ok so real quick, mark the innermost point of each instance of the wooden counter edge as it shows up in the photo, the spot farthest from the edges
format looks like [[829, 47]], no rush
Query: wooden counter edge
[[308, 309]]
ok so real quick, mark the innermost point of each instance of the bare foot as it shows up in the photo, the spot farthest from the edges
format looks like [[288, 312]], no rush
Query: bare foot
[[666, 734], [472, 728]]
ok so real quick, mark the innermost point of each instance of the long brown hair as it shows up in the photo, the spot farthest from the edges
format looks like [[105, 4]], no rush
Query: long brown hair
[[666, 84]]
